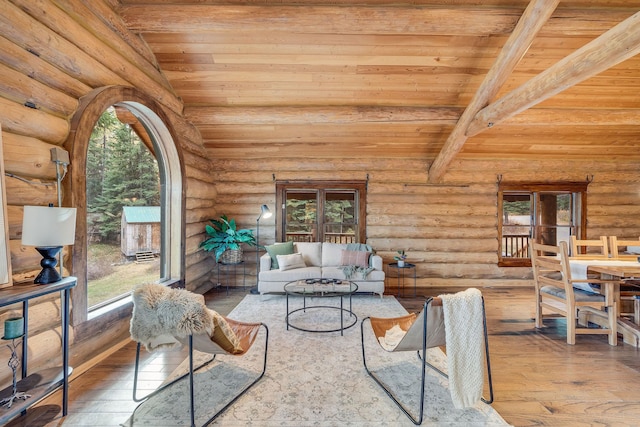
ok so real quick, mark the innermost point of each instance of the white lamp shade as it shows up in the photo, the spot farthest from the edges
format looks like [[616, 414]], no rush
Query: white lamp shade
[[44, 226], [265, 212]]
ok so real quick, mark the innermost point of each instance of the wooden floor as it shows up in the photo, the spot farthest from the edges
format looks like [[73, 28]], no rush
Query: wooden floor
[[539, 380]]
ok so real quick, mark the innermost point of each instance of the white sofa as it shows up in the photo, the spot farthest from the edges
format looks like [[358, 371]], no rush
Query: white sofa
[[321, 261]]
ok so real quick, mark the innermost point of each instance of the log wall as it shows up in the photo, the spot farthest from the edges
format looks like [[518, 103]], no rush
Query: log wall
[[55, 52], [449, 230], [52, 54]]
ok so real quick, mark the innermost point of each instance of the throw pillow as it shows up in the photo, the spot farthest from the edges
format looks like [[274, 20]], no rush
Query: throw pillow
[[357, 258], [224, 336], [289, 262], [278, 249]]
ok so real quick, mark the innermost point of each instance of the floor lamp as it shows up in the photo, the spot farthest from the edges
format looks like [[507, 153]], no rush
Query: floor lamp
[[264, 213]]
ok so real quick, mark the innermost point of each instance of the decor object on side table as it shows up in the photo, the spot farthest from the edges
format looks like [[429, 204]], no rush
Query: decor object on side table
[[401, 257], [13, 328], [48, 229], [224, 240]]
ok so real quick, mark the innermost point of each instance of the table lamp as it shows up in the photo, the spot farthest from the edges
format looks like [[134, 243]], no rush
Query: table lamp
[[48, 229]]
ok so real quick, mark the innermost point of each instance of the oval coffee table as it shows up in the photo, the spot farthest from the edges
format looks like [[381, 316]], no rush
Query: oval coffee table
[[322, 288]]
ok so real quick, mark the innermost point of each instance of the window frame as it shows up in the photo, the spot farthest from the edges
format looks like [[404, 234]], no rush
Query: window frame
[[154, 119], [321, 187], [534, 189]]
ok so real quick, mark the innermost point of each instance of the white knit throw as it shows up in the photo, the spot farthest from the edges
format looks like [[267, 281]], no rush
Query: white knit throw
[[465, 346]]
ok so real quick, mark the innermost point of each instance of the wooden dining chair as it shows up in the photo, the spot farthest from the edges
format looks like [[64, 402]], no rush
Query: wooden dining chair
[[629, 288], [555, 292], [624, 248], [589, 248]]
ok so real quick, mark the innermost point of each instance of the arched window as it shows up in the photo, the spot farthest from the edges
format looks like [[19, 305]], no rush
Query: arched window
[[151, 117]]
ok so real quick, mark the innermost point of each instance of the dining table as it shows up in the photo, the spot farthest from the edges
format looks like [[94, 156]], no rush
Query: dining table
[[612, 272]]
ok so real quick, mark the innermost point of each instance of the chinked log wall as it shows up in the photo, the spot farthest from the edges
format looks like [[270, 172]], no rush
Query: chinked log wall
[[450, 230], [51, 55]]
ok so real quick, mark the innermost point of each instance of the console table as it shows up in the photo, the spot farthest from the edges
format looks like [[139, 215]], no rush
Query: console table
[[41, 383]]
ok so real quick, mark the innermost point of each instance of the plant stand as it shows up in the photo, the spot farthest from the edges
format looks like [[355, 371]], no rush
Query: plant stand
[[230, 274]]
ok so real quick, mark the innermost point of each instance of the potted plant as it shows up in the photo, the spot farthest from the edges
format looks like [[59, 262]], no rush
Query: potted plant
[[225, 239], [400, 258]]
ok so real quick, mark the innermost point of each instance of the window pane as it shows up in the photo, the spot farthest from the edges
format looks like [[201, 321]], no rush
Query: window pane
[[516, 225], [340, 217], [121, 173], [321, 211], [556, 217], [301, 221]]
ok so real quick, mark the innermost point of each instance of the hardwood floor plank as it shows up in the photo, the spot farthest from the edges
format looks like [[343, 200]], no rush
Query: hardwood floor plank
[[539, 380]]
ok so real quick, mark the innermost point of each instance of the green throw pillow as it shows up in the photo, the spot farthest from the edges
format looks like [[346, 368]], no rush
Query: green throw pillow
[[278, 249]]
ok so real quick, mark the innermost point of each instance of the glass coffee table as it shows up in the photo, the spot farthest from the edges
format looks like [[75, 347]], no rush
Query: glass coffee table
[[321, 288]]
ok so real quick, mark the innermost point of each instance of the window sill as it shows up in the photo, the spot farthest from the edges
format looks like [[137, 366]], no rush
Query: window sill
[[115, 305], [122, 302]]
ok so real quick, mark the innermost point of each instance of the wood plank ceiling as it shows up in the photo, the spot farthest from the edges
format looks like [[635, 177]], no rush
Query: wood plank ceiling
[[384, 78]]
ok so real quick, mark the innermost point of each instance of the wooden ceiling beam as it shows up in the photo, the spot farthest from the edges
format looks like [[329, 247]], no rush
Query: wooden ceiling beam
[[339, 19], [318, 19], [533, 18], [616, 45], [338, 114]]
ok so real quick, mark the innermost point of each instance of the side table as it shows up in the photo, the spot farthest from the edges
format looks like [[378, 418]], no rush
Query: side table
[[44, 382], [401, 273]]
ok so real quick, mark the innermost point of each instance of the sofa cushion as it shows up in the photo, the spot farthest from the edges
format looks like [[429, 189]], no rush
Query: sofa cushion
[[290, 275], [290, 262], [278, 249], [357, 258], [332, 254], [224, 336], [311, 252]]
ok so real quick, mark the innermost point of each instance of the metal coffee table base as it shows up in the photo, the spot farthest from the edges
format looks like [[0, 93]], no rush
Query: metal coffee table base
[[341, 309]]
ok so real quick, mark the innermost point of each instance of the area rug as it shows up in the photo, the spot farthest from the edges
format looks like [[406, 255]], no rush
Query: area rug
[[313, 379]]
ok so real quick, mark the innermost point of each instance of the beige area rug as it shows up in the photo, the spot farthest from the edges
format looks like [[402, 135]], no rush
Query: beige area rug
[[312, 379]]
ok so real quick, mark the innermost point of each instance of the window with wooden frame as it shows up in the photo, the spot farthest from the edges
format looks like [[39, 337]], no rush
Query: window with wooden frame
[[545, 212], [321, 211], [147, 114]]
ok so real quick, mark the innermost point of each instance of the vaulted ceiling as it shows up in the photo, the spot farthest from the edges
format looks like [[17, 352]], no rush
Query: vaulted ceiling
[[381, 78]]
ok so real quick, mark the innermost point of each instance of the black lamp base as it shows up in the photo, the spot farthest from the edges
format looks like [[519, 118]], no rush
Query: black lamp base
[[49, 274]]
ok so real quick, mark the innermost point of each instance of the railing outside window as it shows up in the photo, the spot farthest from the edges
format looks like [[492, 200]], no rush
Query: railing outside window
[[328, 237], [515, 245]]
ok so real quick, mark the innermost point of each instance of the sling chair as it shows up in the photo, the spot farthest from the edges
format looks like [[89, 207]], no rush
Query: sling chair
[[165, 318], [427, 330]]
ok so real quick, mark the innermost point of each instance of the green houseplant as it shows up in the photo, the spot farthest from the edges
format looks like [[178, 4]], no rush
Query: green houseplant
[[225, 239], [401, 257]]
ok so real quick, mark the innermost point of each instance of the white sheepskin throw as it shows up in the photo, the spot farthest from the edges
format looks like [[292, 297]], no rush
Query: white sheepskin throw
[[160, 312], [463, 319], [392, 338]]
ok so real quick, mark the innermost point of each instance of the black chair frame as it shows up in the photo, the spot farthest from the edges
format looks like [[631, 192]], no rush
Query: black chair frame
[[424, 364], [190, 373]]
